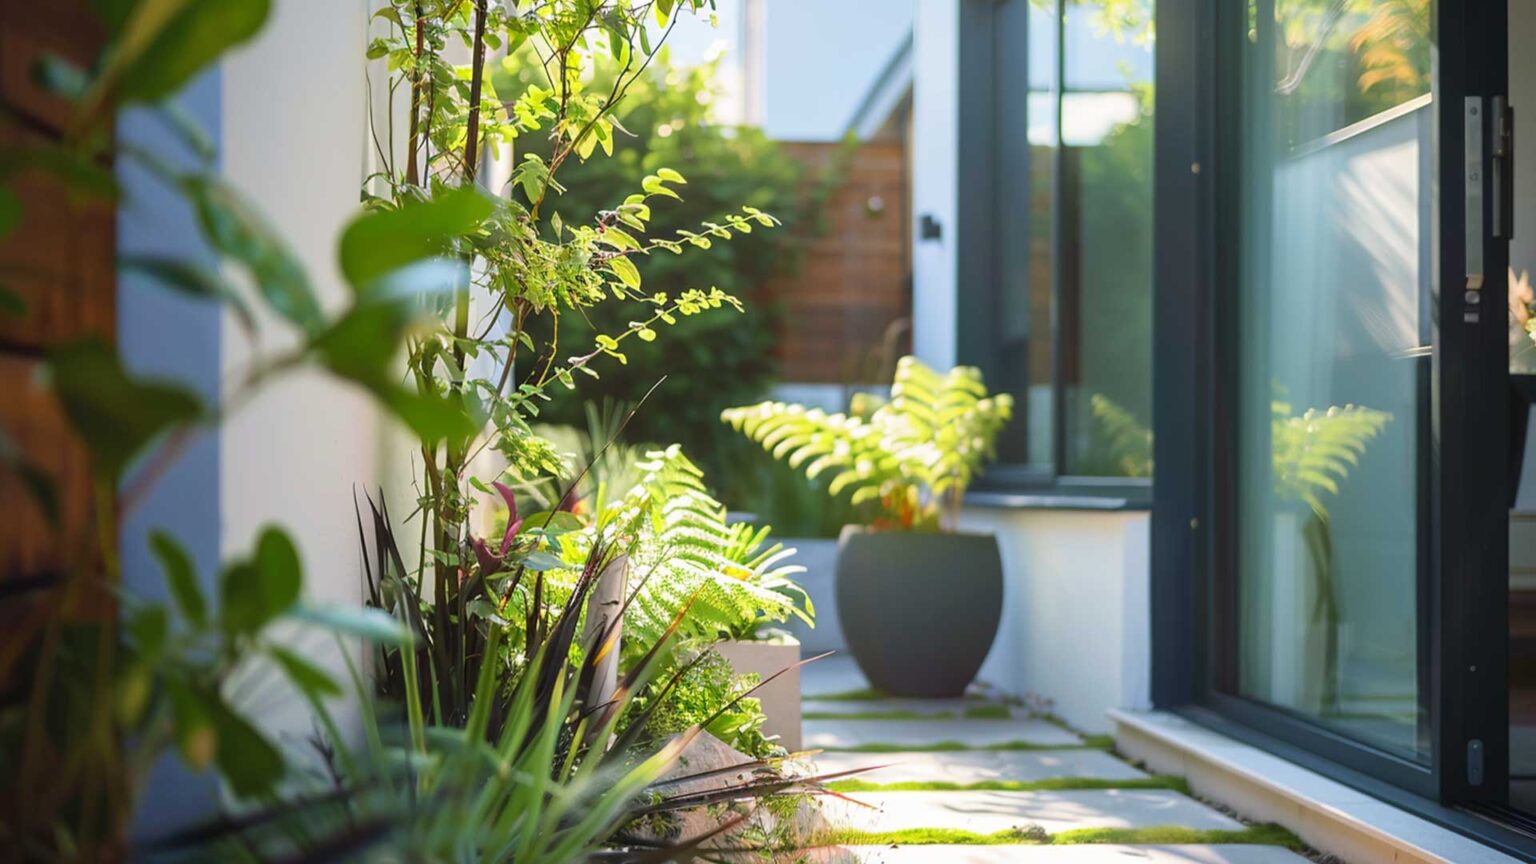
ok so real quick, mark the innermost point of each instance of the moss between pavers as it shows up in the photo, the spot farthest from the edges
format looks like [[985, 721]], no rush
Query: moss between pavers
[[1050, 784], [929, 837], [1091, 742], [1257, 835], [1267, 834]]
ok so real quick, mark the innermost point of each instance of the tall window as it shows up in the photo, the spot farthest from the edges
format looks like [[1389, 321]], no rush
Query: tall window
[[1072, 240]]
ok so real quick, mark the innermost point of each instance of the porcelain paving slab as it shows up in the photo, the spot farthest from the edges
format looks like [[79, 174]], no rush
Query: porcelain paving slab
[[956, 708], [1080, 854], [988, 812], [918, 734], [978, 766]]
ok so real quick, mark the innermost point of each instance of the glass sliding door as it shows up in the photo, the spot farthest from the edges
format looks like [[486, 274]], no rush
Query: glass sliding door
[[1330, 530], [1333, 338]]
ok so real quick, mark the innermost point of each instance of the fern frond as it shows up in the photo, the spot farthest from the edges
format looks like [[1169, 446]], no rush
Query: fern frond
[[933, 434], [682, 546]]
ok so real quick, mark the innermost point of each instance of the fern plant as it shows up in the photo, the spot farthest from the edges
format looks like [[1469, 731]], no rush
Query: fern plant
[[915, 454], [683, 553]]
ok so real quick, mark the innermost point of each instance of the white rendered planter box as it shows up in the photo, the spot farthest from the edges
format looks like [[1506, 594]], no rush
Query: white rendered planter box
[[781, 696]]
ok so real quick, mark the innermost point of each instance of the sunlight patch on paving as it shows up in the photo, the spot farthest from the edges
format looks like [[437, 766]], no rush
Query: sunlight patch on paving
[[988, 812], [978, 766], [920, 734]]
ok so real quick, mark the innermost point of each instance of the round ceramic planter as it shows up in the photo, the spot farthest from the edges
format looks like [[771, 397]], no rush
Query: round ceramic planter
[[919, 611]]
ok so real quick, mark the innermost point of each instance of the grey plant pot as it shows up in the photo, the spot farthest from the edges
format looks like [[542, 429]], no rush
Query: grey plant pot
[[919, 611]]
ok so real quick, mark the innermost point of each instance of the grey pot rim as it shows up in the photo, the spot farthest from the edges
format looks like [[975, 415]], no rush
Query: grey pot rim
[[866, 531]]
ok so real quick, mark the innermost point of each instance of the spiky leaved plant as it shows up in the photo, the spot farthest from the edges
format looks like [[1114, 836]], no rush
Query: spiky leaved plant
[[914, 454]]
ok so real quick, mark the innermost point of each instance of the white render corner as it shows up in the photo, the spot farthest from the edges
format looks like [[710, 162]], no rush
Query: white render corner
[[1076, 626]]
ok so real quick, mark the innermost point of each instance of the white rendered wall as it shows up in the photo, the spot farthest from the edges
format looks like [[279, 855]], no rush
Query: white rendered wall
[[1076, 616], [935, 170], [293, 132]]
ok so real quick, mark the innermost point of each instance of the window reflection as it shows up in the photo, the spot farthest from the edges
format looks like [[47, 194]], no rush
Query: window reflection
[[1335, 163]]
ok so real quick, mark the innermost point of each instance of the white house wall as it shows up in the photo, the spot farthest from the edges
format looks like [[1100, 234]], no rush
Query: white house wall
[[935, 191], [1075, 626], [292, 101]]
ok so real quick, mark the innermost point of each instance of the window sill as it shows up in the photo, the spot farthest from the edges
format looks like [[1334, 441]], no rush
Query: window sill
[[999, 500]]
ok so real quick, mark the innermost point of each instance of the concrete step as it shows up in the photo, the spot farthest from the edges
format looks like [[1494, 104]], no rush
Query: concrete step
[[1056, 855], [1082, 854]]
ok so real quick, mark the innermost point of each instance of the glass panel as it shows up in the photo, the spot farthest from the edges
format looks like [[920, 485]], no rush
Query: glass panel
[[1105, 247], [1024, 347], [1331, 390]]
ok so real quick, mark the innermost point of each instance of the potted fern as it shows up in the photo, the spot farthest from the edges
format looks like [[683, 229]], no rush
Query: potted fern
[[918, 600]]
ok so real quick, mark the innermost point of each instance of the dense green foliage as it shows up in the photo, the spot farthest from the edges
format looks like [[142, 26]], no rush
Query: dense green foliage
[[709, 362], [703, 697], [915, 454], [496, 738]]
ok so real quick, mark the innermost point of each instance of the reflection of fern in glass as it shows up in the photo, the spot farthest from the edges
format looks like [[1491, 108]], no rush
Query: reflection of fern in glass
[[1313, 453], [1129, 441]]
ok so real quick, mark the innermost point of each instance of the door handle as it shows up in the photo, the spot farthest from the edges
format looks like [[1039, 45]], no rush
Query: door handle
[[1472, 215], [1503, 167]]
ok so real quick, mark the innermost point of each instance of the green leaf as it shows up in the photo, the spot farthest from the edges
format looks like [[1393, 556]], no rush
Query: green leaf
[[167, 42], [116, 415], [191, 724], [11, 303], [653, 185], [554, 523], [625, 269], [192, 279], [375, 625], [670, 175], [179, 577], [10, 211], [246, 759], [277, 559], [430, 417], [148, 627], [311, 679], [256, 591], [39, 485], [60, 77], [541, 561], [381, 242], [237, 230]]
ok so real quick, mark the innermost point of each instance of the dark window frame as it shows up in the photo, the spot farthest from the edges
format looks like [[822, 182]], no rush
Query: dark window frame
[[993, 151], [1195, 175]]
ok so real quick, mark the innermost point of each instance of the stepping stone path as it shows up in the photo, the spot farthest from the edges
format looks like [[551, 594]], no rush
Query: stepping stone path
[[979, 751]]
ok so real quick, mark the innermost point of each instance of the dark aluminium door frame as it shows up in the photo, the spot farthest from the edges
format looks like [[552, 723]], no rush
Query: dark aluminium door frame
[[1464, 555]]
